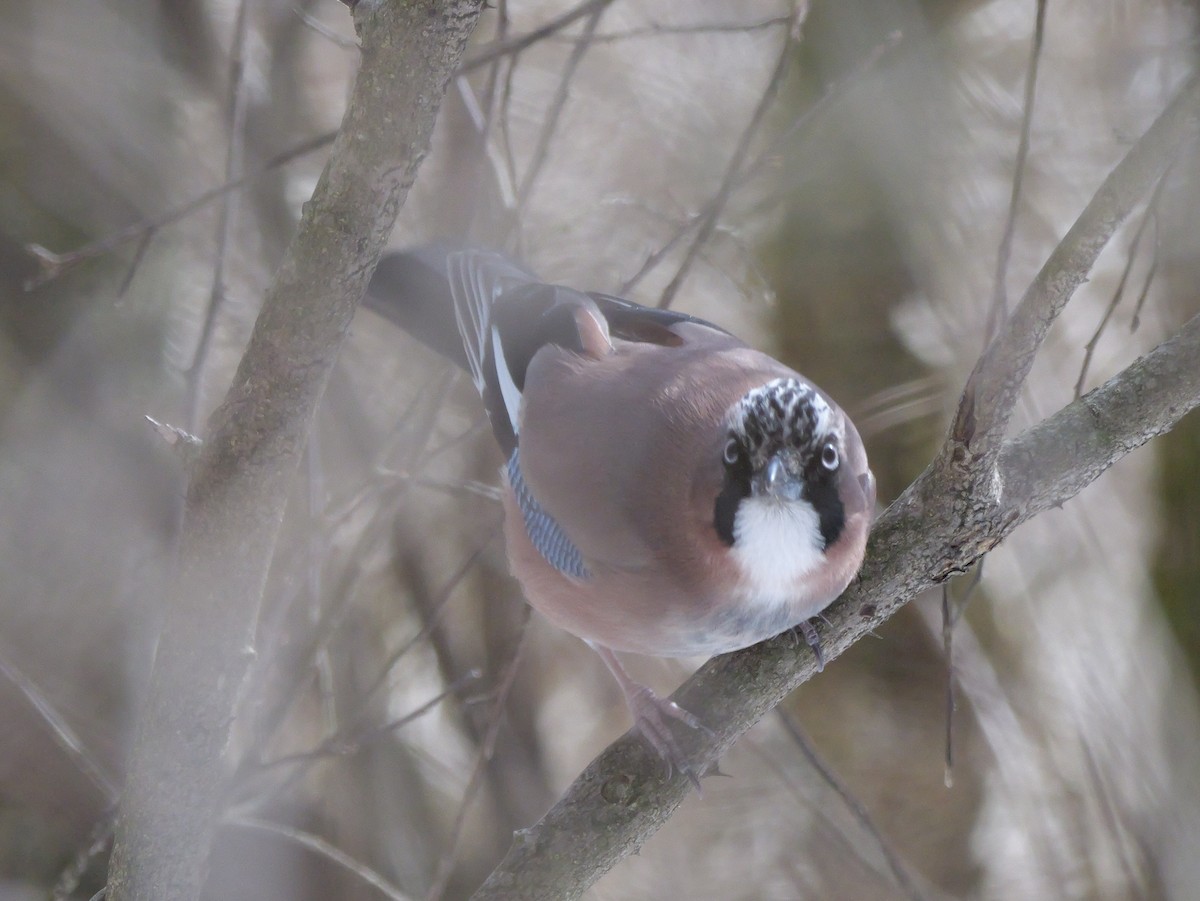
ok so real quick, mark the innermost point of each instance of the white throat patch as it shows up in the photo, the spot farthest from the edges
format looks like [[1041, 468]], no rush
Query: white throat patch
[[775, 543]]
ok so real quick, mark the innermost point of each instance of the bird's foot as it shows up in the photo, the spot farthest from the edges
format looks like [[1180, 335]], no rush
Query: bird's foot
[[813, 640], [651, 718]]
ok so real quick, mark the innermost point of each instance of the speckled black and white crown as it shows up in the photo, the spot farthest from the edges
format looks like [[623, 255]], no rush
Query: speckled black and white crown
[[783, 412]]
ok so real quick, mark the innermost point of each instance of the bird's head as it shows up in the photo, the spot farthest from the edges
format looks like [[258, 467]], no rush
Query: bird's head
[[794, 473]]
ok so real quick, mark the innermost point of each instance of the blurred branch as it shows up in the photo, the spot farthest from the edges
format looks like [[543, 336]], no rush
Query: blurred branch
[[708, 219], [745, 174], [226, 216], [512, 46], [993, 386], [1151, 215], [240, 484], [445, 866], [919, 542], [554, 114], [999, 308], [65, 736], [856, 807], [55, 264], [656, 30], [943, 523], [319, 846]]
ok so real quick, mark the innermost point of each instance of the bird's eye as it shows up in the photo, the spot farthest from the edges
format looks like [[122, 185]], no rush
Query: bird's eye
[[730, 453], [829, 457]]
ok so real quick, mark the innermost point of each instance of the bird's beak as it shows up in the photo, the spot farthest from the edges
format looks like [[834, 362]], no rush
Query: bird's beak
[[776, 481]]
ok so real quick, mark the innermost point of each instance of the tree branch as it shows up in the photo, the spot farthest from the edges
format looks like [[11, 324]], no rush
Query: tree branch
[[238, 489], [974, 494], [622, 798], [943, 523], [996, 381]]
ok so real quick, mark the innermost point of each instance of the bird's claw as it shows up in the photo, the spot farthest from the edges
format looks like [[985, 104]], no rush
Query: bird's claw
[[813, 640], [651, 716]]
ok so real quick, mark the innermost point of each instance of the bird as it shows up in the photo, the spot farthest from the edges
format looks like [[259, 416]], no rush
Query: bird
[[668, 489]]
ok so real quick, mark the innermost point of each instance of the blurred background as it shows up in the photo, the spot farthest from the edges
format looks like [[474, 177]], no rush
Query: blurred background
[[833, 183]]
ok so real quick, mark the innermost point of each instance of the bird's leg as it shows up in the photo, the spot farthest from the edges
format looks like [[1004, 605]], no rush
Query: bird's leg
[[651, 715], [813, 640]]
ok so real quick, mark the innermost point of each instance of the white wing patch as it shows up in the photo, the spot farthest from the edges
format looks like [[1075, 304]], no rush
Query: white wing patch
[[472, 304], [508, 388]]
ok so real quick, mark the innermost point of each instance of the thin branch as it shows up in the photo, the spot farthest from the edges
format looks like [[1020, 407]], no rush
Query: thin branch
[[226, 216], [1013, 749], [55, 264], [999, 308], [996, 381], [66, 737], [330, 852], [920, 541], [514, 46], [239, 487], [446, 864], [352, 739], [860, 813], [716, 206], [951, 613], [656, 31], [807, 117], [554, 113], [1150, 216]]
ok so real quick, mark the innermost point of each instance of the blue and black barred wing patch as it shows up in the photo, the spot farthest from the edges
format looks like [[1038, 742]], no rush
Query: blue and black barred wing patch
[[545, 533]]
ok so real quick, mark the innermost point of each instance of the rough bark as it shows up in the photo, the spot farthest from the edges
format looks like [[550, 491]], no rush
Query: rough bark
[[239, 485], [972, 496]]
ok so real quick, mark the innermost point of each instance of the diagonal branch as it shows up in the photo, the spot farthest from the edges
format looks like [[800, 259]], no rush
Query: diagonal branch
[[992, 389], [622, 798], [238, 489]]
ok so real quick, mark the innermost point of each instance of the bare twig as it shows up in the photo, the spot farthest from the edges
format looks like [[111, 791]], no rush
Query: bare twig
[[446, 864], [951, 613], [322, 847], [716, 206], [860, 813], [227, 215], [554, 113], [999, 307], [513, 46], [920, 541], [993, 387], [1136, 242], [66, 737], [325, 31], [771, 152], [55, 264], [352, 739], [239, 488], [655, 31]]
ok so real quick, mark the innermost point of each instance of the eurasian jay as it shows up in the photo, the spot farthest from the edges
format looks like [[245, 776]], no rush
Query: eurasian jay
[[669, 490]]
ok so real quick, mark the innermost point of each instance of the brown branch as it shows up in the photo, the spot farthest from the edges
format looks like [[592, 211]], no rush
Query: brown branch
[[716, 206], [55, 264], [325, 849], [227, 215], [622, 797], [943, 524], [999, 308], [237, 491], [993, 386], [513, 46], [1150, 215], [557, 104], [858, 810]]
